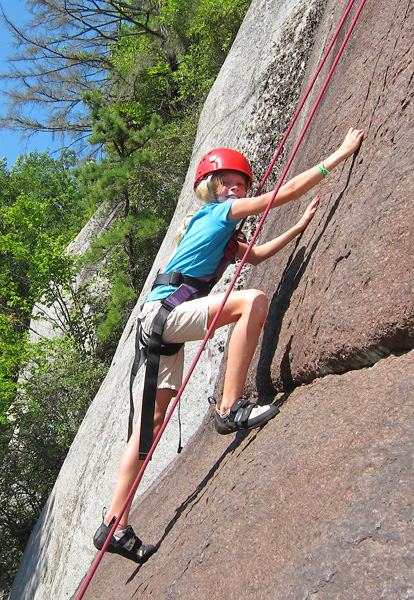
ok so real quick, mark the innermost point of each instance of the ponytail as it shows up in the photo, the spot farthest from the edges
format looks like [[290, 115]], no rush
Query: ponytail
[[203, 196]]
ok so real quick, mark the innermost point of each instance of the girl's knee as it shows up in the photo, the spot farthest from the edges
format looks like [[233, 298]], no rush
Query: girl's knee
[[258, 301], [242, 303]]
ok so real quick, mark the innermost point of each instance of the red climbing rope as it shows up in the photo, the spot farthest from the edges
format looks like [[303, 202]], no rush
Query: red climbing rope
[[305, 96], [309, 89], [242, 262]]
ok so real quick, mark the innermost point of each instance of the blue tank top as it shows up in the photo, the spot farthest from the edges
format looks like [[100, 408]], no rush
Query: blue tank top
[[202, 247]]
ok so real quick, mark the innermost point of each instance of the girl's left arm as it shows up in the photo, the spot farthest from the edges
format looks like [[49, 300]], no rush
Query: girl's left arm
[[260, 253], [299, 185]]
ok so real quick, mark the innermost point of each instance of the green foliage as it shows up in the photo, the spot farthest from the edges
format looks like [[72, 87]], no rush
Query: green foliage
[[12, 349], [59, 385], [33, 261], [40, 210], [203, 31], [171, 73], [39, 213], [125, 147], [38, 176]]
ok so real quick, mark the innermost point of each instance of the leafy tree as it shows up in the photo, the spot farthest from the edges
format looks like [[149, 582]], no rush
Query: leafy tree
[[39, 213], [203, 33], [12, 352], [138, 230], [46, 387], [48, 409], [54, 66]]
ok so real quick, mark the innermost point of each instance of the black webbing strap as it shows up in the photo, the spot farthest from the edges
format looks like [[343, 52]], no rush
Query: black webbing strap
[[140, 358], [154, 352], [151, 352], [175, 278]]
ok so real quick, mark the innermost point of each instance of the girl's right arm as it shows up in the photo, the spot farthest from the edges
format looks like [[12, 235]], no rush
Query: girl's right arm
[[299, 185], [264, 251]]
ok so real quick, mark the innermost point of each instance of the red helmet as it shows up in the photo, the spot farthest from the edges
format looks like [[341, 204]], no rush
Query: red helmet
[[223, 159]]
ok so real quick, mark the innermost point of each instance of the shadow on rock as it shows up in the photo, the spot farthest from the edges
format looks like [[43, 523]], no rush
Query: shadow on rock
[[290, 280]]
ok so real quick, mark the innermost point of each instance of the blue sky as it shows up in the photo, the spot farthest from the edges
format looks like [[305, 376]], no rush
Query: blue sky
[[11, 144]]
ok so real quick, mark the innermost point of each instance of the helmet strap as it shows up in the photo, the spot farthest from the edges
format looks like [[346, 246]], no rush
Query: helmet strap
[[210, 189]]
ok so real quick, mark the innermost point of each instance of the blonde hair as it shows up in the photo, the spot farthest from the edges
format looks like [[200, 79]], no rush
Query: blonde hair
[[203, 196]]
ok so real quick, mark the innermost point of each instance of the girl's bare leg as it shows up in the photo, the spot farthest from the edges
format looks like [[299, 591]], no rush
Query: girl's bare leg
[[130, 465], [248, 309]]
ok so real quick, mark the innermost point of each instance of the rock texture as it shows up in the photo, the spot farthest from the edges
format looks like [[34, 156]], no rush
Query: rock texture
[[319, 502], [343, 297]]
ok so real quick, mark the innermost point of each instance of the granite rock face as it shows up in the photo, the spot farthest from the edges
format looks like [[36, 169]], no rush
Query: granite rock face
[[342, 296], [319, 502]]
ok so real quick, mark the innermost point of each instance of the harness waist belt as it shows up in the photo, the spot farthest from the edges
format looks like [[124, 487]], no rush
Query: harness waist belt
[[175, 278]]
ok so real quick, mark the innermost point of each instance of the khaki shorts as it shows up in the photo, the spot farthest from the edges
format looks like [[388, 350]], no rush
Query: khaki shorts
[[186, 323]]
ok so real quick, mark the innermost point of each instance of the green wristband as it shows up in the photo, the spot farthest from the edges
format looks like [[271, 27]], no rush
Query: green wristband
[[322, 169]]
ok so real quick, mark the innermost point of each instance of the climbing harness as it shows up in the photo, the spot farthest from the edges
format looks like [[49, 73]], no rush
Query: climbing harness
[[188, 288], [152, 351], [236, 275]]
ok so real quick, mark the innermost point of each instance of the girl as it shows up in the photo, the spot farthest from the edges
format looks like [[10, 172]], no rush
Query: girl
[[222, 180]]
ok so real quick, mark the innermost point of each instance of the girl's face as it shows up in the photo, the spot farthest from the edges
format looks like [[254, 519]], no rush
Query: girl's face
[[233, 186]]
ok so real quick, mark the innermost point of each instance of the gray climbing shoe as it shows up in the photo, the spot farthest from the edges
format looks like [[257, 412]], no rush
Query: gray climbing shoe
[[128, 546], [244, 415]]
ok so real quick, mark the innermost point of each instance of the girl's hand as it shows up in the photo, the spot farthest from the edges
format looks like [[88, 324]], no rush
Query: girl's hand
[[309, 213], [351, 142]]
